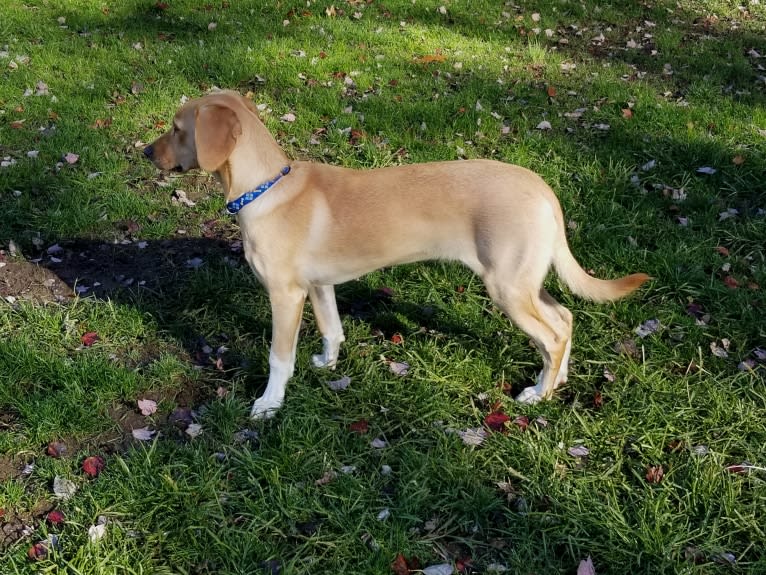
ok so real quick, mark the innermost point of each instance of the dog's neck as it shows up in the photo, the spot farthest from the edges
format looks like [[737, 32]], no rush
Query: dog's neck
[[244, 172]]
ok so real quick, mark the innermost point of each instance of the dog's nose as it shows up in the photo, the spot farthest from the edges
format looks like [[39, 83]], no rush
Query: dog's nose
[[149, 151]]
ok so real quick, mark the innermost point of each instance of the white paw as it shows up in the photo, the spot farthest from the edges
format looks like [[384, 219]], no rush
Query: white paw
[[322, 361], [264, 408], [529, 395]]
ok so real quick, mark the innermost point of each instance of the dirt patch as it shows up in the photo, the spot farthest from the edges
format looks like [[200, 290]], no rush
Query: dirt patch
[[17, 526], [9, 468], [27, 281], [127, 416], [96, 268]]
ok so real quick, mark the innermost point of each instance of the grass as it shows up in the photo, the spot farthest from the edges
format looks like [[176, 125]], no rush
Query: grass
[[669, 88]]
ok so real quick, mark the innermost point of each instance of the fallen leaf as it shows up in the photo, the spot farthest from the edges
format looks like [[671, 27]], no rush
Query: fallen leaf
[[359, 427], [739, 469], [56, 449], [63, 488], [340, 384], [731, 282], [38, 551], [89, 338], [71, 158], [473, 437], [627, 113], [55, 517], [441, 569], [578, 451], [384, 514], [648, 327], [496, 421], [180, 197], [93, 465], [397, 339], [399, 368], [522, 422], [194, 430], [147, 406], [655, 473], [551, 91], [378, 443], [399, 566], [143, 433], [326, 478], [586, 567], [717, 351], [738, 160], [723, 251], [544, 125], [289, 117], [598, 400], [96, 532], [431, 58]]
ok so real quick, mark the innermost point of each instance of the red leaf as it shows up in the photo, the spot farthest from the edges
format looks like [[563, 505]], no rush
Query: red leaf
[[627, 113], [496, 421], [730, 282], [551, 92], [89, 338], [722, 250], [359, 427], [37, 551], [739, 469], [598, 400], [56, 449], [522, 422], [55, 517], [399, 566], [397, 339], [93, 465]]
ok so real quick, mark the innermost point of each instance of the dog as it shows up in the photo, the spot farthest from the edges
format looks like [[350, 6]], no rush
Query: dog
[[308, 226]]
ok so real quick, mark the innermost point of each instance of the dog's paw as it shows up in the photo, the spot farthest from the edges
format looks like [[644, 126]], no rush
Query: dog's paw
[[529, 395], [264, 409], [320, 360]]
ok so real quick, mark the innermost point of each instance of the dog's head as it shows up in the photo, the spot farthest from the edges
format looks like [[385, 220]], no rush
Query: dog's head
[[203, 135]]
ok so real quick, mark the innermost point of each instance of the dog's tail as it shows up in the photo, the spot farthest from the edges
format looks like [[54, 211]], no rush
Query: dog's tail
[[585, 285]]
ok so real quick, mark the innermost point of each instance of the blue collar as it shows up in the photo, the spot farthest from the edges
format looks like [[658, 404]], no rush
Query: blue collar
[[235, 205]]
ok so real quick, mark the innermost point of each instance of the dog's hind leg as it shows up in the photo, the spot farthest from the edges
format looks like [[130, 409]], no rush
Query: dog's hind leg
[[562, 317], [542, 322], [286, 310], [326, 313]]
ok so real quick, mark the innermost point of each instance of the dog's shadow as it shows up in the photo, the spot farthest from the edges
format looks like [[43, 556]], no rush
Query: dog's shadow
[[181, 282]]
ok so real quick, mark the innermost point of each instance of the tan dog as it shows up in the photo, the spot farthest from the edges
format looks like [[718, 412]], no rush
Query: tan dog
[[321, 225]]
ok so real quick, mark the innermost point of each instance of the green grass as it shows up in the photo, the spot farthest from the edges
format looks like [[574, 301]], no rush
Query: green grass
[[415, 85]]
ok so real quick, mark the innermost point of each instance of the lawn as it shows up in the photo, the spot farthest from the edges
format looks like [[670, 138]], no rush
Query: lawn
[[133, 337]]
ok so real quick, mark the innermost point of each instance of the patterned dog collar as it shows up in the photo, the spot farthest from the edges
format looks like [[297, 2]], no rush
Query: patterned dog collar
[[235, 205]]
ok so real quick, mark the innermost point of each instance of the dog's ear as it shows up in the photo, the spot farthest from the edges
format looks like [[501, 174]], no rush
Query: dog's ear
[[215, 135]]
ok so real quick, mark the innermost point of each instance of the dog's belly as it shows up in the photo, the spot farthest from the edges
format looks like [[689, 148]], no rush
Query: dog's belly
[[330, 268]]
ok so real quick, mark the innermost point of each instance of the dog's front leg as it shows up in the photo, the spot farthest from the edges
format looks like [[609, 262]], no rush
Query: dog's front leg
[[286, 311], [326, 313]]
